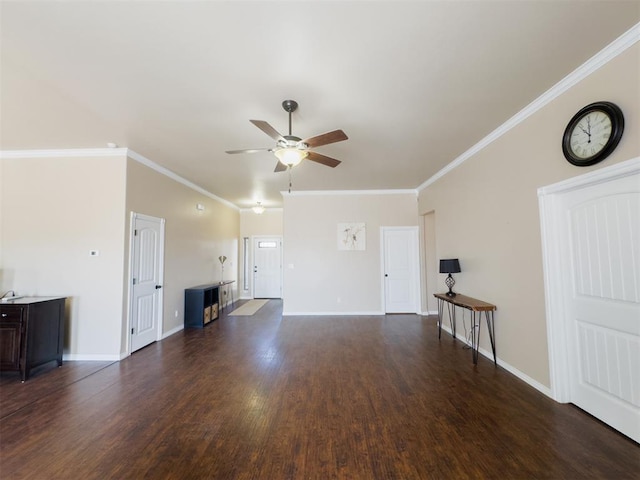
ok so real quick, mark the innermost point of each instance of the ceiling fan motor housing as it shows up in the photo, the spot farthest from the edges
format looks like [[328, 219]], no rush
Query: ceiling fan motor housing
[[290, 105]]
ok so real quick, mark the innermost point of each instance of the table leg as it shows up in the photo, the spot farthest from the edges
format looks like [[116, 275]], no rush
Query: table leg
[[440, 313], [490, 327], [452, 318], [475, 336]]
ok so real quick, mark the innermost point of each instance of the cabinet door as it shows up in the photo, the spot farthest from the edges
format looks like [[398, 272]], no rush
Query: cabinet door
[[10, 338]]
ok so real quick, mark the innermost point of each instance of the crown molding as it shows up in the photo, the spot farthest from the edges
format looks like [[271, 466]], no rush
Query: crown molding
[[112, 152], [328, 193], [174, 176], [64, 152], [618, 46]]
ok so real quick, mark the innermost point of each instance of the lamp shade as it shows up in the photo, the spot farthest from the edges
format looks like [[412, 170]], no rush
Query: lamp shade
[[290, 156], [449, 265]]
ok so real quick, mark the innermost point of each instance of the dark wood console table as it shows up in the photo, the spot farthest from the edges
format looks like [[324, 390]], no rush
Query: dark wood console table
[[31, 333], [477, 308]]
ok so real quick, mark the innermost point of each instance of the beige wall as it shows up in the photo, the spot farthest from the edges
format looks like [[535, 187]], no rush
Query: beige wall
[[268, 223], [319, 278], [486, 210], [55, 210], [193, 239]]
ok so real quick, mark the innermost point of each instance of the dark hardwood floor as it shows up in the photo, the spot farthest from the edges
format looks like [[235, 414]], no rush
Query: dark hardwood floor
[[267, 397]]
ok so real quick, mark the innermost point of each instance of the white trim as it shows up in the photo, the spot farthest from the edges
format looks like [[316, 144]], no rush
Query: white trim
[[551, 223], [64, 153], [327, 193], [501, 363], [252, 240], [323, 314], [132, 220], [416, 274], [112, 152], [172, 331], [75, 357], [607, 54], [174, 176], [617, 170]]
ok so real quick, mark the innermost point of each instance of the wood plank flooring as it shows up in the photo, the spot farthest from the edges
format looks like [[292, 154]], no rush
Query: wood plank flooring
[[272, 397]]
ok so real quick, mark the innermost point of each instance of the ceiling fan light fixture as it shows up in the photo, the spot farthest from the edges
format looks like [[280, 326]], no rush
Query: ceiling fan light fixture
[[290, 156], [258, 209]]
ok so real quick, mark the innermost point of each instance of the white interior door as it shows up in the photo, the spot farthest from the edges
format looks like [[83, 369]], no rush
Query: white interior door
[[400, 269], [267, 267], [602, 293], [146, 280]]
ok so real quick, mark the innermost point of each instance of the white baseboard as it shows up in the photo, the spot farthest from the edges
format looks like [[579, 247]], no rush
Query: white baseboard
[[509, 368], [172, 331], [78, 357], [346, 314]]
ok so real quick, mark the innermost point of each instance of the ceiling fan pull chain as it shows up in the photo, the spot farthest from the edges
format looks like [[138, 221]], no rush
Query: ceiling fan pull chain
[[289, 168]]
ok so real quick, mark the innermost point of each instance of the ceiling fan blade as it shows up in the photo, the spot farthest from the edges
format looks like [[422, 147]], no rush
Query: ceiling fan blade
[[326, 138], [324, 160], [268, 129], [250, 150], [280, 167]]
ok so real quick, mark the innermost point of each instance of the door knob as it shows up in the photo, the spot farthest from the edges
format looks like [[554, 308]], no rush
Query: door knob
[[158, 287]]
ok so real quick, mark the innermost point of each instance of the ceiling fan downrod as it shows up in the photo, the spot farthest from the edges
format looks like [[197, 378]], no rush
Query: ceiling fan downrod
[[290, 106]]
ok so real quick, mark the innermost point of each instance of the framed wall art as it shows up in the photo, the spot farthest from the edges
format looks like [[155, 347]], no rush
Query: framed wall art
[[352, 236]]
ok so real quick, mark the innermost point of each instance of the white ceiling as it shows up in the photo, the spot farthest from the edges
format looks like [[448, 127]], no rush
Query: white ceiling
[[413, 84]]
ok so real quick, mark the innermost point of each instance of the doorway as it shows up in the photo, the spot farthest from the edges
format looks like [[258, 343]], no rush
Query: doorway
[[267, 267], [400, 267], [146, 277], [591, 227]]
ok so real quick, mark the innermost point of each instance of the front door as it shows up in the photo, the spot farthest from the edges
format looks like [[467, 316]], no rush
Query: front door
[[267, 267], [146, 279], [400, 269], [602, 294]]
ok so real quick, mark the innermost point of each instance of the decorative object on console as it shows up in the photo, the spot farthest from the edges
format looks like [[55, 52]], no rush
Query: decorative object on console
[[222, 259], [450, 265]]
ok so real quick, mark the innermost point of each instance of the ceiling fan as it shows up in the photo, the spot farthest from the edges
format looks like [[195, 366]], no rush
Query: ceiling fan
[[291, 150]]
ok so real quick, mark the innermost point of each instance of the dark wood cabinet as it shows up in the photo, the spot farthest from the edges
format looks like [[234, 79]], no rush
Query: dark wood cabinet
[[31, 333], [201, 305]]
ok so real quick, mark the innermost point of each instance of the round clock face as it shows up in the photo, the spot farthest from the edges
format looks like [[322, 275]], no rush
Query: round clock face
[[593, 133]]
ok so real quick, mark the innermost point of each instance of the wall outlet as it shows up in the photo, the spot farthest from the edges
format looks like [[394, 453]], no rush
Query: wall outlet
[[176, 314]]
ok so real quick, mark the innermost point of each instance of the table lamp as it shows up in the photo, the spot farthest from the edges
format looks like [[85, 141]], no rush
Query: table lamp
[[450, 265]]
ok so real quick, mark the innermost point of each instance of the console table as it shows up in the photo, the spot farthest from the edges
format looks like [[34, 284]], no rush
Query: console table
[[202, 304], [31, 333], [477, 308]]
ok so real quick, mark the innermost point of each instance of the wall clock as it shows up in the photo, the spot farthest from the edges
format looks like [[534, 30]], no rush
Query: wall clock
[[593, 134]]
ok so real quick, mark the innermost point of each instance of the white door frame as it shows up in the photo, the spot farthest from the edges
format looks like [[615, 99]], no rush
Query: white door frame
[[132, 220], [415, 271], [252, 259], [552, 221]]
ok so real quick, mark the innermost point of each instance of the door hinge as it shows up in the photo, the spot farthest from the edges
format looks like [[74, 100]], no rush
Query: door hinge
[[135, 232], [134, 281], [132, 331]]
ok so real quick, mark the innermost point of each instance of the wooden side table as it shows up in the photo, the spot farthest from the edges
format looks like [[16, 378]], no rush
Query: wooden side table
[[477, 308]]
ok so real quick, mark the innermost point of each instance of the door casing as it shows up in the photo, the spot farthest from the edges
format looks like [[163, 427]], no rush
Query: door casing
[[159, 309]]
